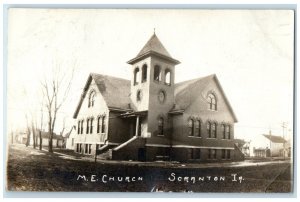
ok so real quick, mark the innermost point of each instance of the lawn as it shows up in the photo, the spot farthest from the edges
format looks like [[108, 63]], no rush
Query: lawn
[[29, 169]]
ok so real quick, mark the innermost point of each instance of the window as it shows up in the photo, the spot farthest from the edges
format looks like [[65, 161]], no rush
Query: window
[[136, 76], [91, 99], [90, 148], [212, 103], [103, 125], [212, 153], [228, 154], [91, 129], [139, 95], [191, 127], [214, 130], [197, 128], [144, 73], [72, 141], [157, 73], [228, 132], [161, 126], [209, 129], [224, 131], [80, 148], [77, 147], [81, 129], [223, 153], [167, 77], [78, 128], [86, 148], [87, 126], [190, 153], [98, 124], [197, 153]]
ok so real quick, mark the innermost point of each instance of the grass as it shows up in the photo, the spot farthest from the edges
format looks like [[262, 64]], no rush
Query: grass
[[33, 170]]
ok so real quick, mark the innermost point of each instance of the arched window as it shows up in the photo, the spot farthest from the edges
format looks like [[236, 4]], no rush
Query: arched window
[[103, 125], [91, 99], [157, 73], [144, 73], [98, 124], [161, 126], [214, 130], [191, 127], [81, 128], [212, 102], [91, 129], [87, 126], [209, 129], [167, 77], [198, 128], [136, 76]]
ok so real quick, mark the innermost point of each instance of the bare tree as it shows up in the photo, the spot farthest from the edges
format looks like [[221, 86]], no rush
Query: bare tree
[[56, 90], [27, 131], [40, 130]]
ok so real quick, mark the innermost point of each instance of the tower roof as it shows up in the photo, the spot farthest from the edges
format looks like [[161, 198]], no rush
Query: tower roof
[[155, 47]]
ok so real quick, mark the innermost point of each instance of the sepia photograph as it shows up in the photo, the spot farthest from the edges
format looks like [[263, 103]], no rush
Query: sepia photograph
[[150, 100]]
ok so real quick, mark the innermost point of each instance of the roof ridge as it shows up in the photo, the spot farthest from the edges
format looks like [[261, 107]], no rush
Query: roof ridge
[[105, 75]]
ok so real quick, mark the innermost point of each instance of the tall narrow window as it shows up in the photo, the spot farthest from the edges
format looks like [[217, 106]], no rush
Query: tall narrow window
[[103, 125], [144, 73], [161, 126], [157, 73], [167, 77], [91, 99], [81, 128], [197, 128], [87, 126], [191, 127], [196, 154], [228, 154], [98, 124], [212, 102], [214, 130], [228, 132], [223, 153], [190, 153], [136, 76], [91, 129], [224, 131], [209, 129], [78, 128]]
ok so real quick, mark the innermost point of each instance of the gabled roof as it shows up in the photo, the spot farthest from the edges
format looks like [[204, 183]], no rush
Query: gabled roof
[[186, 92], [275, 138], [45, 134], [154, 47], [115, 91]]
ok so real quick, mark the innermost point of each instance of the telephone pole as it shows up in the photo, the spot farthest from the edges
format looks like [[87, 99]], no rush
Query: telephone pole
[[283, 125]]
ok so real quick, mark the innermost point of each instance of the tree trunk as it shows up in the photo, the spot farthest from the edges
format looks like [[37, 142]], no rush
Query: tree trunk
[[33, 137], [50, 137], [28, 137], [41, 141]]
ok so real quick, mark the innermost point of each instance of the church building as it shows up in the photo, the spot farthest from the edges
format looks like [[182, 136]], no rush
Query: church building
[[150, 117]]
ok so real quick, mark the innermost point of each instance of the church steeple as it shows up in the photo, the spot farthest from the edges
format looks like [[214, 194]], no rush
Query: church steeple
[[153, 47]]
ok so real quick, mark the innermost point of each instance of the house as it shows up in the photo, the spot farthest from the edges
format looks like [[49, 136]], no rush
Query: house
[[57, 140], [70, 138], [21, 136], [275, 146], [151, 118]]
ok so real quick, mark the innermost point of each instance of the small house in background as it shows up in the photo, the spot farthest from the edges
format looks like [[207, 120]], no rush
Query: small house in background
[[70, 138], [57, 140], [276, 146], [21, 136], [244, 146]]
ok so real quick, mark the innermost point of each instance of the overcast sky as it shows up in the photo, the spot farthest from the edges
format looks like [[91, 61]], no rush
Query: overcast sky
[[251, 52]]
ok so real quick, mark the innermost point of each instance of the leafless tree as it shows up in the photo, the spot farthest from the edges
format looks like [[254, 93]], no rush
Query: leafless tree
[[41, 128], [56, 90], [27, 131]]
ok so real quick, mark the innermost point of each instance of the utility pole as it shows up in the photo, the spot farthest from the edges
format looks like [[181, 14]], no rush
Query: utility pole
[[283, 125]]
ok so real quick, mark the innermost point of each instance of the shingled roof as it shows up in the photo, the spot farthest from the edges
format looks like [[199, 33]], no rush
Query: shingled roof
[[275, 138], [186, 92], [115, 91], [154, 47]]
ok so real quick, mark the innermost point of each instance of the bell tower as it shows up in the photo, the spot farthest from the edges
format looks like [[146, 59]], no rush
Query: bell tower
[[152, 83]]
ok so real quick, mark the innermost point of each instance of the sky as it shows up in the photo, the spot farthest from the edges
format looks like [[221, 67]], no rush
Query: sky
[[250, 51]]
